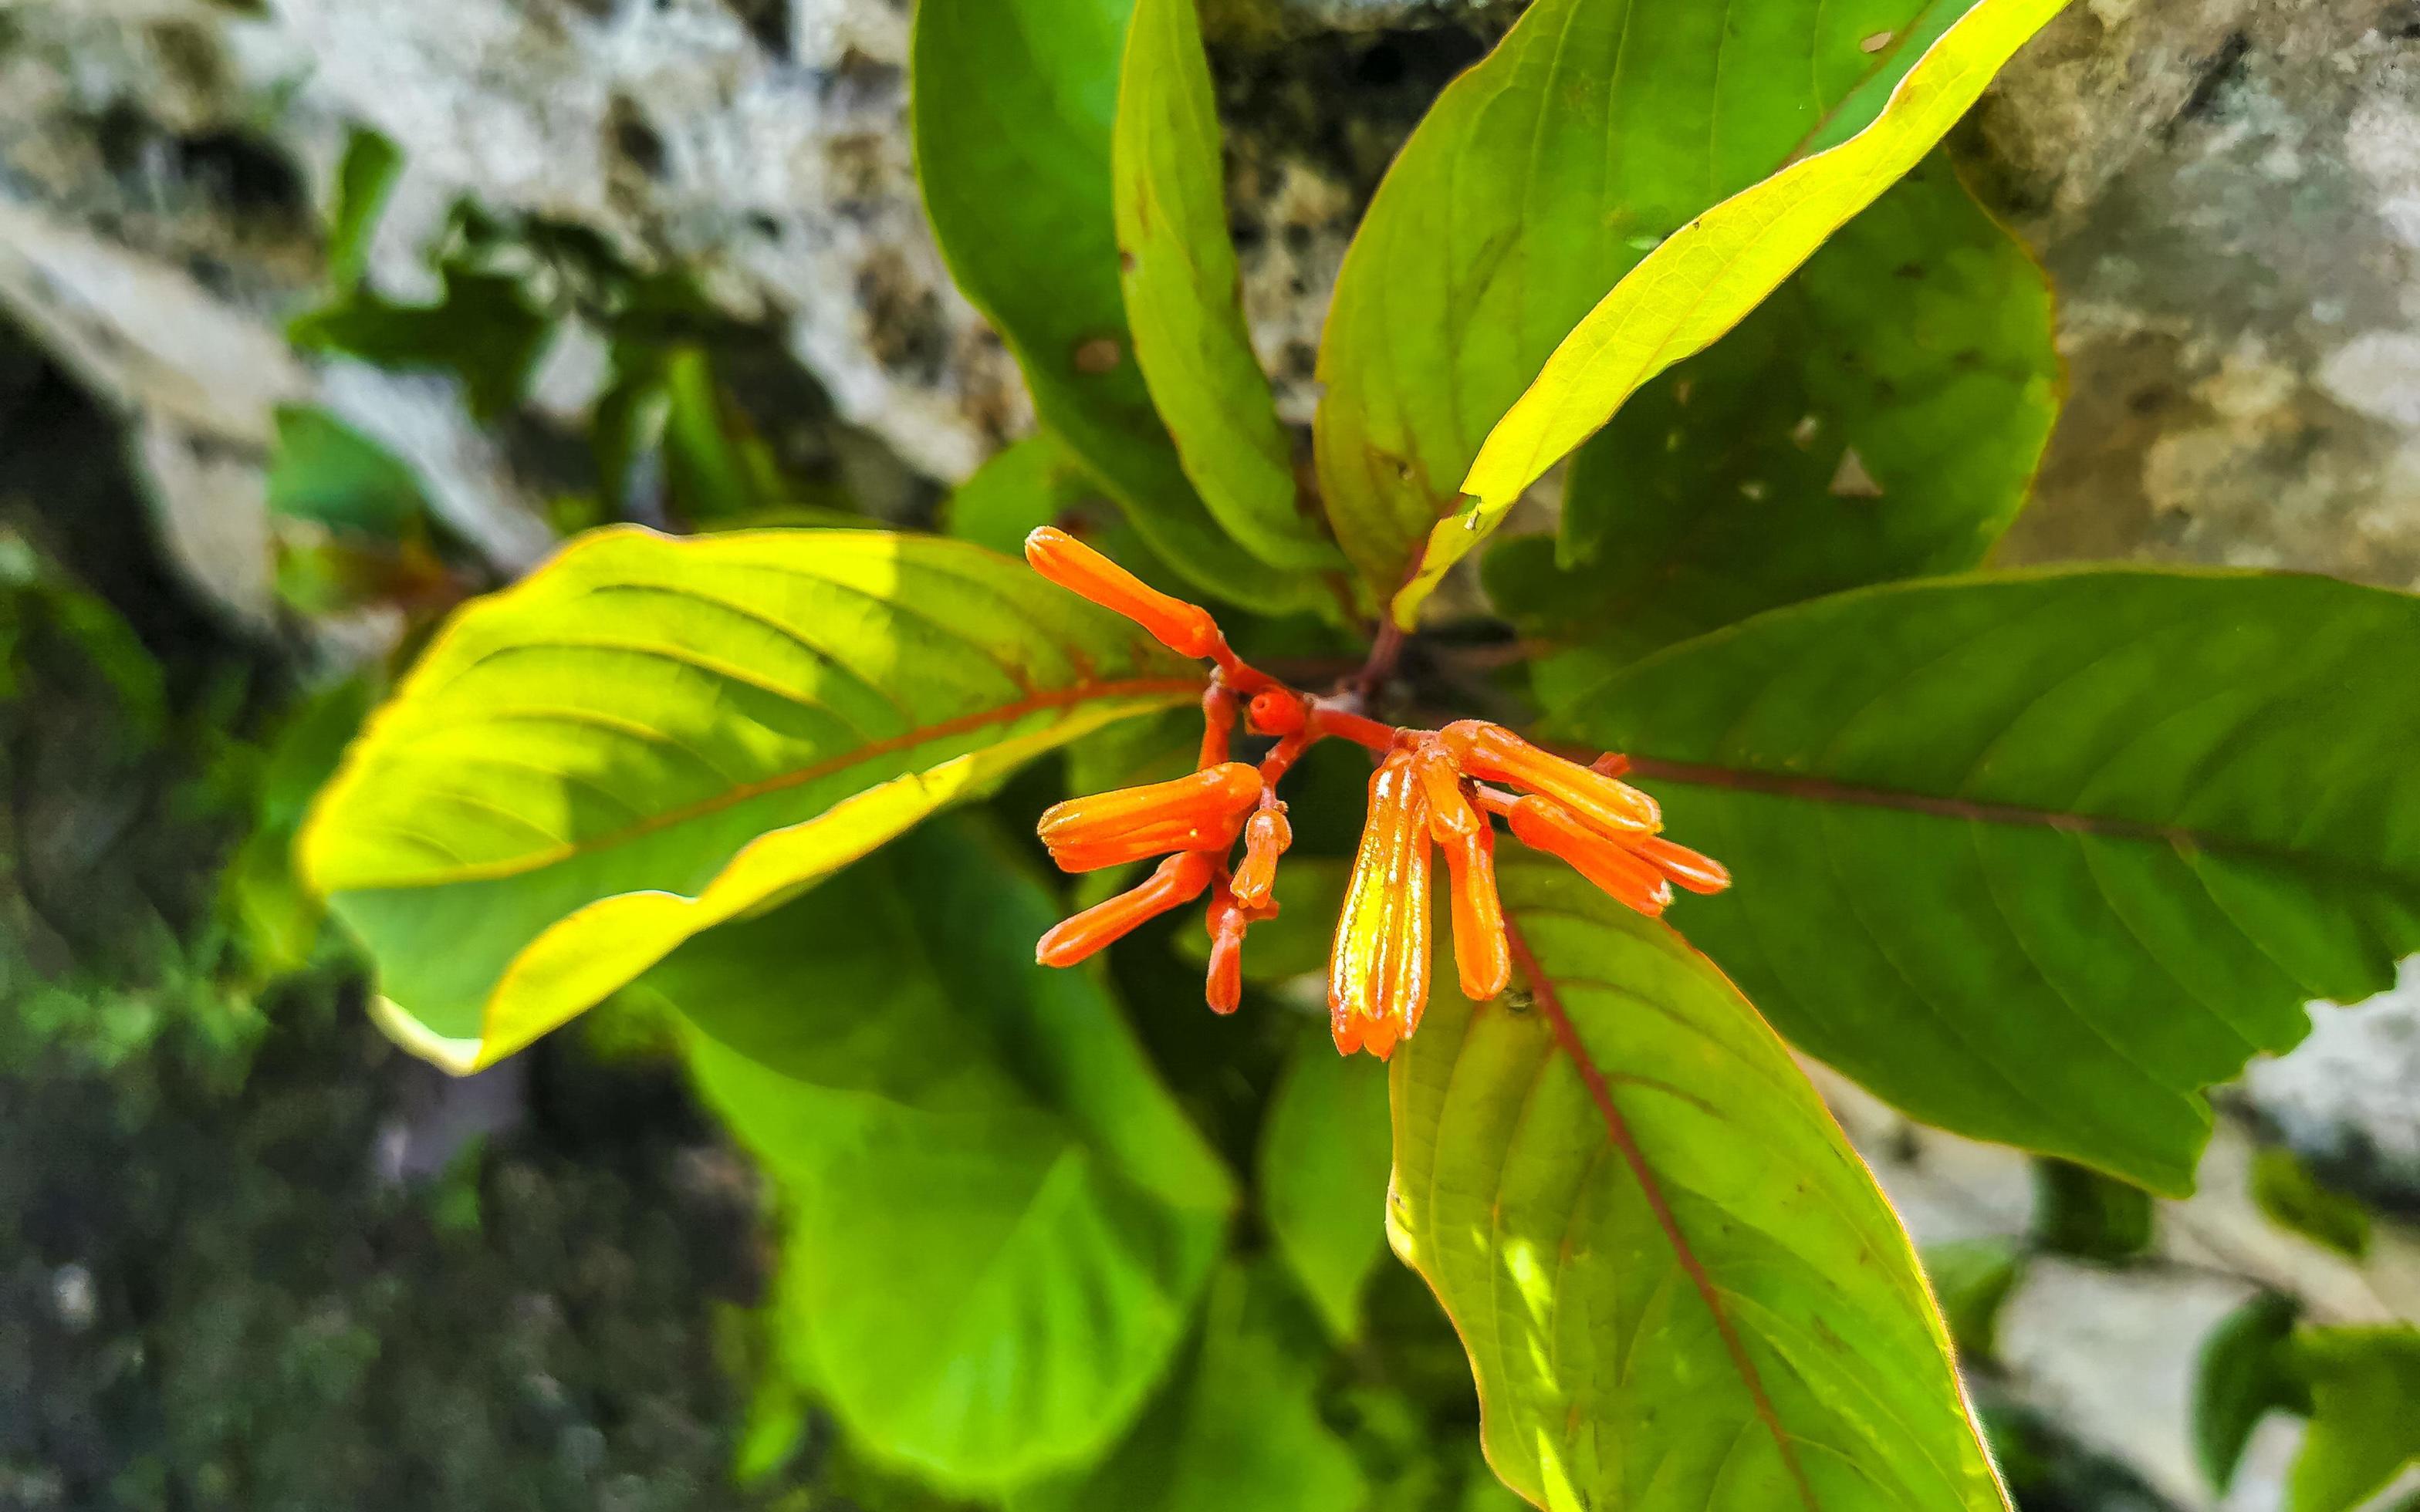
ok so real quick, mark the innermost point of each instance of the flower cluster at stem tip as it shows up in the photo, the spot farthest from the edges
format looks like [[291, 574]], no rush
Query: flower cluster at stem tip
[[1431, 792]]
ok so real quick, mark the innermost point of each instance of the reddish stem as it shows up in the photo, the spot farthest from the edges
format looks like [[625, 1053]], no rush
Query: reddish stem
[[1329, 719]]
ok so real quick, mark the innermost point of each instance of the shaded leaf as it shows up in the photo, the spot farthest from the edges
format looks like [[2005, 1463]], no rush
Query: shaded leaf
[[998, 1218], [325, 471], [482, 330], [2079, 1212], [2036, 857], [1184, 293], [365, 175], [1679, 1285], [2245, 1372], [2365, 1386], [1915, 349], [1323, 1174], [2295, 1199], [1237, 1429], [1704, 277], [1972, 1279], [1013, 111], [650, 736]]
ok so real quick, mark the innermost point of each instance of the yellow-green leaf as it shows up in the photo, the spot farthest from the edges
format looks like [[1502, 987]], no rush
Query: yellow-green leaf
[[1699, 282], [1680, 1287], [1183, 294], [651, 737]]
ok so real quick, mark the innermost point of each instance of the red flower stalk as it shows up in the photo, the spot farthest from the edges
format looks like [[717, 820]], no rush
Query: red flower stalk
[[1378, 972], [1185, 629], [1266, 835], [1177, 881]]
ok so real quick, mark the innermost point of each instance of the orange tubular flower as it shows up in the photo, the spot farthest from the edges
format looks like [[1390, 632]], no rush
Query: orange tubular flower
[[1210, 800], [1492, 751], [1698, 873], [1483, 955], [1544, 824], [1228, 919], [1178, 880], [1185, 629], [1378, 973], [1266, 835], [1275, 711]]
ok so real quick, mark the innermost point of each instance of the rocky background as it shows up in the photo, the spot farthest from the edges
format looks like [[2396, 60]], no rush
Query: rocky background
[[2226, 194]]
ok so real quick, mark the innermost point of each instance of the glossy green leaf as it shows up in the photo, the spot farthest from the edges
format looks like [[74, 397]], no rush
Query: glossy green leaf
[[1973, 1279], [2294, 1198], [1013, 108], [2365, 1428], [1879, 417], [2038, 858], [2079, 1212], [1237, 1431], [651, 737], [1184, 294], [999, 1220], [1702, 277], [2246, 1371], [1680, 1287], [1323, 1174]]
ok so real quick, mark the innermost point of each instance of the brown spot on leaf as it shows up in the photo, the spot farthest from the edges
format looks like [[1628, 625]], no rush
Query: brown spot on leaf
[[1101, 354], [1876, 42], [1852, 480]]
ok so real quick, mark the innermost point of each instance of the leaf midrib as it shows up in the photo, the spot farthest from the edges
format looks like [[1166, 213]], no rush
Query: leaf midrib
[[1618, 1134], [2184, 838], [797, 776]]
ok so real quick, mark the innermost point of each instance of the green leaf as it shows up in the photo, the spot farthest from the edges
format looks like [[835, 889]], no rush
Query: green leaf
[[1036, 482], [999, 1219], [2365, 1415], [2296, 1200], [651, 737], [275, 916], [2248, 1370], [1679, 1285], [1013, 109], [2036, 857], [1879, 417], [1703, 276], [1184, 294], [482, 330], [364, 177], [2079, 1212], [325, 471], [1323, 1174], [1238, 1431], [1973, 1279]]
